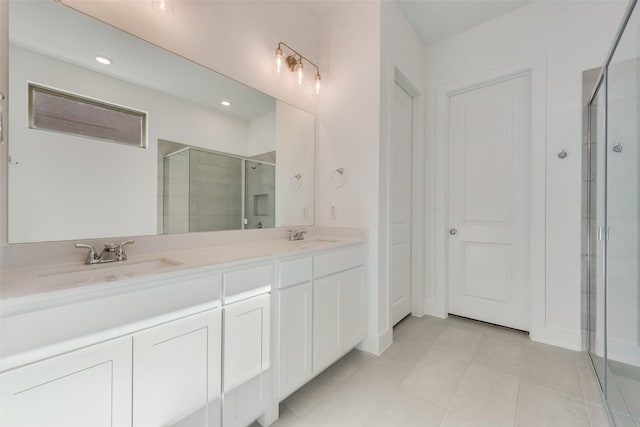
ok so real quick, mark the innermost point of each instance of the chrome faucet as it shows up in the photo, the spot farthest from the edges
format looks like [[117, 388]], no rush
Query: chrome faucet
[[297, 235], [111, 253]]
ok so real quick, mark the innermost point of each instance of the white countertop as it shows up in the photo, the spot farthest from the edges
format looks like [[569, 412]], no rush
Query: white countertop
[[25, 282]]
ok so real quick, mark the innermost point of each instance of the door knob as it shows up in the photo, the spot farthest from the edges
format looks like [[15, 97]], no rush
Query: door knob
[[453, 231]]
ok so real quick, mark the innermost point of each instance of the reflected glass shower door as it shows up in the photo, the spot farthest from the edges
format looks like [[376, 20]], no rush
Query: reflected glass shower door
[[596, 222]]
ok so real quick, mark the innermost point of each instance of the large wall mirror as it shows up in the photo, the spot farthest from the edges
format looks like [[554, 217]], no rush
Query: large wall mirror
[[144, 142]]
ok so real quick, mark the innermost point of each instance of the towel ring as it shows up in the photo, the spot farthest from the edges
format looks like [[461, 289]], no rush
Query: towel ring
[[338, 178], [296, 182]]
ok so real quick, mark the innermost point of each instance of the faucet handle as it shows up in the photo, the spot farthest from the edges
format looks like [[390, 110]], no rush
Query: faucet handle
[[122, 256], [91, 255], [126, 242]]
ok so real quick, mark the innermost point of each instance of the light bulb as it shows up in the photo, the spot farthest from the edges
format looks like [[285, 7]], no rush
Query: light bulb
[[318, 84], [104, 60], [298, 69], [278, 60], [162, 6]]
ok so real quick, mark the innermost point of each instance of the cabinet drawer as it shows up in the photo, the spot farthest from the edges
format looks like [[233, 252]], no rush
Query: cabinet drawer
[[295, 271], [338, 260], [248, 282]]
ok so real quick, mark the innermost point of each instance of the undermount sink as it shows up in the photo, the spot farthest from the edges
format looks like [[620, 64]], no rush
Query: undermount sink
[[101, 273]]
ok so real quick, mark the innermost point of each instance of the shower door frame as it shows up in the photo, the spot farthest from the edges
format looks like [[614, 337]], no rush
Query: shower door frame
[[602, 83]]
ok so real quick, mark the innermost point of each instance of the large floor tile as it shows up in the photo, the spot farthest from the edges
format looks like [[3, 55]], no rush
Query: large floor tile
[[396, 361], [597, 415], [453, 419], [403, 409], [542, 407], [311, 393], [588, 382], [458, 343], [487, 396], [352, 403], [289, 419], [500, 354], [552, 367], [421, 332], [436, 377]]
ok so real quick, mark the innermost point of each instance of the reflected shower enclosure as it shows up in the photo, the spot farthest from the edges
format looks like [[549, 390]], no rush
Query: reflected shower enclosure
[[611, 223], [200, 190]]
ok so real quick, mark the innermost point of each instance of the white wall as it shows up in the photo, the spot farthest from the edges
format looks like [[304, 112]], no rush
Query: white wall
[[349, 133], [119, 194], [575, 36], [402, 60], [262, 134], [295, 142]]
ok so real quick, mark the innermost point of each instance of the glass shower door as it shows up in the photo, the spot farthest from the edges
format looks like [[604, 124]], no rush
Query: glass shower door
[[622, 216]]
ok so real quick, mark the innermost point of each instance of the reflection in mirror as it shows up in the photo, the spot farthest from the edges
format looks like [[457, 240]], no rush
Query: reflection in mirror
[[66, 185], [201, 190]]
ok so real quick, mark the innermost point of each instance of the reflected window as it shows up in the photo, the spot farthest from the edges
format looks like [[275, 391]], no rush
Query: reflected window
[[57, 111]]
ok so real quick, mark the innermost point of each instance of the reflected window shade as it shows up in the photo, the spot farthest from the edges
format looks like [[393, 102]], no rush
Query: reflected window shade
[[65, 113]]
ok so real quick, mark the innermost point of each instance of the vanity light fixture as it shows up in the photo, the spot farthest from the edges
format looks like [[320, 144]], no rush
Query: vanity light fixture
[[226, 103], [295, 64], [104, 60]]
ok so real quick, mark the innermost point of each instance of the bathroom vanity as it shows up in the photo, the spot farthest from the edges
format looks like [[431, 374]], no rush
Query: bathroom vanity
[[207, 337]]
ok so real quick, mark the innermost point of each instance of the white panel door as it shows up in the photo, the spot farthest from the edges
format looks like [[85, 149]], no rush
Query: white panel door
[[88, 387], [489, 143], [352, 307], [327, 340], [176, 373], [400, 204], [295, 306], [246, 346]]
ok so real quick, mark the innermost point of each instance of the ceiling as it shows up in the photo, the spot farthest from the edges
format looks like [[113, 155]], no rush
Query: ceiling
[[435, 20]]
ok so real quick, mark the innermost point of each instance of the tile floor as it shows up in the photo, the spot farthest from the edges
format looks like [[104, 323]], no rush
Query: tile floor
[[452, 372]]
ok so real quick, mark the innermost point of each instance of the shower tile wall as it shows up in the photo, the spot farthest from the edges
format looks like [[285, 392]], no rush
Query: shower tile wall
[[176, 193], [261, 195], [215, 201], [160, 219]]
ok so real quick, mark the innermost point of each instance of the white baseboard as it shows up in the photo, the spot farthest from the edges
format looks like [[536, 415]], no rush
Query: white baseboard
[[557, 337], [377, 344]]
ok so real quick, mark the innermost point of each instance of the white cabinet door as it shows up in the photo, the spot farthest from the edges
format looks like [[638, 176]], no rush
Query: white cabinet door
[[327, 341], [176, 373], [352, 307], [88, 387], [295, 343], [246, 340]]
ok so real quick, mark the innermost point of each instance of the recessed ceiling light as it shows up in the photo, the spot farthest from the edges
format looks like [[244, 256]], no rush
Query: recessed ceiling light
[[225, 103], [104, 60]]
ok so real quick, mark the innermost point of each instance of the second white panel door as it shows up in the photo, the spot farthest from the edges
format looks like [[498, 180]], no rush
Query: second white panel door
[[400, 209], [489, 145]]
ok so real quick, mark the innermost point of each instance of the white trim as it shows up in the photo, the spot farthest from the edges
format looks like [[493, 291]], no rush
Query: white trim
[[376, 344], [536, 67], [378, 341]]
